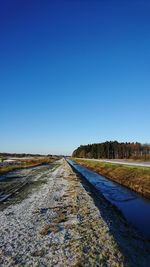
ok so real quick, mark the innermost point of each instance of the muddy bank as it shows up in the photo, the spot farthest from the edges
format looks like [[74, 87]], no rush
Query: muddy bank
[[15, 186]]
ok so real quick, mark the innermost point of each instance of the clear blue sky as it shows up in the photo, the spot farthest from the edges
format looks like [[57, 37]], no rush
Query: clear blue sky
[[73, 72]]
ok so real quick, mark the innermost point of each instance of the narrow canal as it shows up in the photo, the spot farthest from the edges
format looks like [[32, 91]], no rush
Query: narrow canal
[[135, 208]]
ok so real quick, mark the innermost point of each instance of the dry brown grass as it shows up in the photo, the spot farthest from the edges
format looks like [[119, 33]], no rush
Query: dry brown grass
[[27, 163]]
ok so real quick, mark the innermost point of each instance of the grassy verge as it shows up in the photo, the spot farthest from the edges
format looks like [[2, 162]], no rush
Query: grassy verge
[[135, 178], [27, 163]]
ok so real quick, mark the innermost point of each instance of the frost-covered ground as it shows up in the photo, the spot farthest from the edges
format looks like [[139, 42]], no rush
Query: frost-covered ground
[[62, 223]]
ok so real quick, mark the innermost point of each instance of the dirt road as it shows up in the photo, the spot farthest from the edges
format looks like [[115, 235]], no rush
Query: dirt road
[[123, 162]]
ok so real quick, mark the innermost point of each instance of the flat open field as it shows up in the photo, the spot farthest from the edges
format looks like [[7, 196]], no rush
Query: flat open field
[[23, 163]]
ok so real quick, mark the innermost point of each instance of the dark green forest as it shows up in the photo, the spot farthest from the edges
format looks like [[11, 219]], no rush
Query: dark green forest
[[113, 150]]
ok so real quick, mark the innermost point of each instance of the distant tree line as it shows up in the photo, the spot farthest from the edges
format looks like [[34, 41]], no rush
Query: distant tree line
[[21, 155], [113, 150]]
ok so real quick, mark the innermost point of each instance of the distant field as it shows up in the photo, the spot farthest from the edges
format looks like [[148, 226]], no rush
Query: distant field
[[135, 178], [27, 163]]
